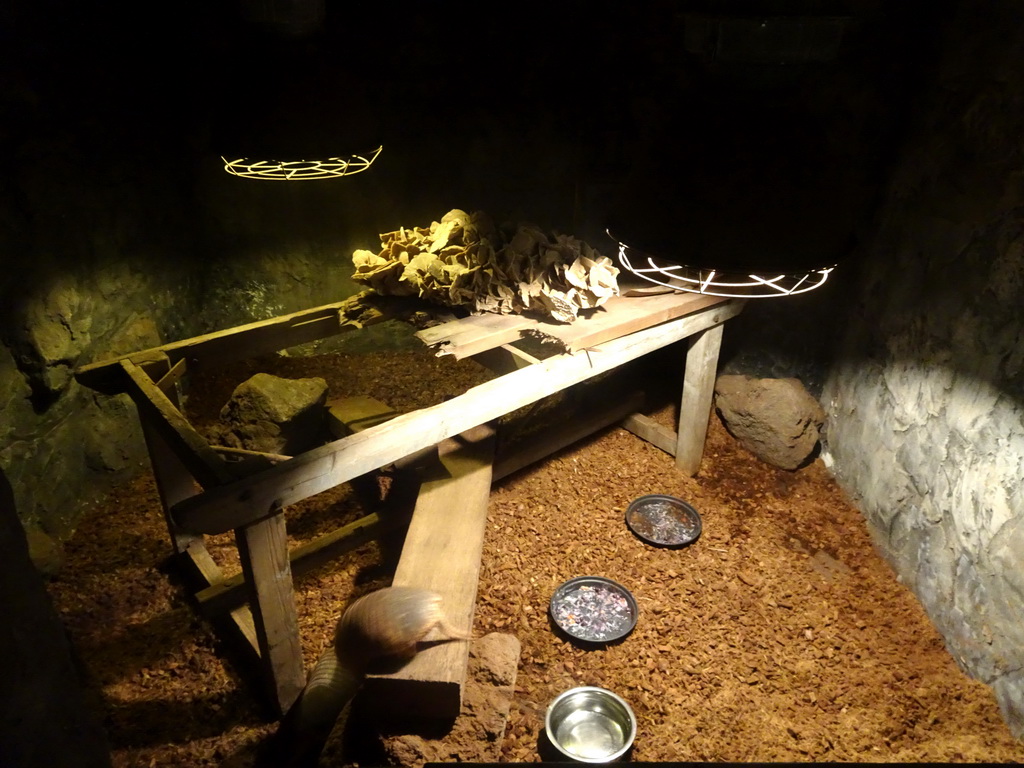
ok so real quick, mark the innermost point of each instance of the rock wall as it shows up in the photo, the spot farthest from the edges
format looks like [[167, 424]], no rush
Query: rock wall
[[46, 720], [926, 398], [107, 269], [120, 230]]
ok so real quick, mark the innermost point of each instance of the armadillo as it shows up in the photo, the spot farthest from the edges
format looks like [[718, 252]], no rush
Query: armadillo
[[390, 622]]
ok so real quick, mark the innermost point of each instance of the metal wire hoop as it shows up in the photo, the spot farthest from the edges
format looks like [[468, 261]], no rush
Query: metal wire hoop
[[712, 282], [300, 170]]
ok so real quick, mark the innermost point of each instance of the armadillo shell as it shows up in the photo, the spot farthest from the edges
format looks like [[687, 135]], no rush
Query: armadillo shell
[[388, 622]]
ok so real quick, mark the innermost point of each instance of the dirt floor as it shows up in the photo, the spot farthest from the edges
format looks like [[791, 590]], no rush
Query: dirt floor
[[779, 635]]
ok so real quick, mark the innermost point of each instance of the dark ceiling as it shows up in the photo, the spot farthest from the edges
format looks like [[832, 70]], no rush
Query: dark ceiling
[[743, 123]]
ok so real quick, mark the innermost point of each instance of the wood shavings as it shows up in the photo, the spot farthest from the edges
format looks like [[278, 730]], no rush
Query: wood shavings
[[464, 260], [718, 669]]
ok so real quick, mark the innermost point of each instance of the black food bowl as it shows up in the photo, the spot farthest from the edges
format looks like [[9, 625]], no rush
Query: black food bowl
[[594, 609], [664, 521]]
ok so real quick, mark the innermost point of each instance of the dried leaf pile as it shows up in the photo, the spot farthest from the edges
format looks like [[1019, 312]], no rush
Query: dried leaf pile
[[779, 635], [465, 261]]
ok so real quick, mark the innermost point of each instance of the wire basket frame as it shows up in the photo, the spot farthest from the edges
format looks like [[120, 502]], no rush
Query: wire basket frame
[[300, 170], [712, 282]]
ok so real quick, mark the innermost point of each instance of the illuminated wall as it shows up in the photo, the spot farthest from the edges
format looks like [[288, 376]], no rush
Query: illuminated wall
[[926, 399]]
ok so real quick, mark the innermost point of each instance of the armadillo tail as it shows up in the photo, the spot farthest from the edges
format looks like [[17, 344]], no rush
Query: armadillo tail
[[308, 724], [445, 631]]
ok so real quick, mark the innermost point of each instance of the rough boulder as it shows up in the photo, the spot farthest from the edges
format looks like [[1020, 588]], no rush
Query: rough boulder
[[275, 415], [777, 420]]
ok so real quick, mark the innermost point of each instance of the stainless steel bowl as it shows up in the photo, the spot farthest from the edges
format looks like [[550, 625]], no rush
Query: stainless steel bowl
[[590, 725]]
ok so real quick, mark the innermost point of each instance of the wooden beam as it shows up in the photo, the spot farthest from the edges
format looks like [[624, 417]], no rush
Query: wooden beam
[[245, 341], [263, 550], [698, 391], [228, 593], [648, 429], [442, 553], [201, 570], [564, 435], [254, 498], [174, 482], [166, 383], [157, 410]]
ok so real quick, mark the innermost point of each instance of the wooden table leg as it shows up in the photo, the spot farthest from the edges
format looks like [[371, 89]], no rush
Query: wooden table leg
[[263, 548], [174, 483], [698, 392]]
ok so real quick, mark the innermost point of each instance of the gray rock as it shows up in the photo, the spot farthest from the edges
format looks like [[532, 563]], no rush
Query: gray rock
[[494, 658], [275, 415], [775, 419], [49, 336], [477, 733], [46, 552]]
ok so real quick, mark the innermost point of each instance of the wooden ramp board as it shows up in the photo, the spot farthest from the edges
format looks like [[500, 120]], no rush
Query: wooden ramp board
[[442, 552], [619, 316]]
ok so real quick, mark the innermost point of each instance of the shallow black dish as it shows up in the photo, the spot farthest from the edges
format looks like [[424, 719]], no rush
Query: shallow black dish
[[594, 609], [663, 521]]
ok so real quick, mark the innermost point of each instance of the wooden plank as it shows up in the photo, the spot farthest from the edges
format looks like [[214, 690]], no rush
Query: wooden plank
[[355, 414], [619, 316], [174, 482], [648, 429], [556, 439], [698, 391], [505, 359], [622, 315], [442, 553], [245, 341], [157, 410], [263, 550], [348, 415], [474, 330], [245, 453], [206, 572], [230, 592], [253, 498], [167, 383]]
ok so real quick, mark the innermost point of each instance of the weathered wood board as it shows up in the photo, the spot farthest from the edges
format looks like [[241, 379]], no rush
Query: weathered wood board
[[250, 499], [619, 316], [442, 553]]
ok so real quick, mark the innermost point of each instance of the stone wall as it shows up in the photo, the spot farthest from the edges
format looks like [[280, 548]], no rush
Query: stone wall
[[243, 250], [120, 230], [926, 396], [108, 268]]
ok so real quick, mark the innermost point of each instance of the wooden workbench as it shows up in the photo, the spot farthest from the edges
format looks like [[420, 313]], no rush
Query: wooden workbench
[[202, 493]]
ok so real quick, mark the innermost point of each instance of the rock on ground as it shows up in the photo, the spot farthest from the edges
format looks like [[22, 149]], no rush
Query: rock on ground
[[777, 420], [275, 415], [479, 730]]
